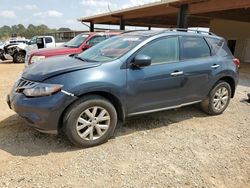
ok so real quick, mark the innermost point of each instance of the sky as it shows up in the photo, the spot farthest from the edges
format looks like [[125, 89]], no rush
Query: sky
[[58, 13]]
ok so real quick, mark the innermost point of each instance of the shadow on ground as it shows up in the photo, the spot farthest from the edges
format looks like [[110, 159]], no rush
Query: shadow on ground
[[18, 139]]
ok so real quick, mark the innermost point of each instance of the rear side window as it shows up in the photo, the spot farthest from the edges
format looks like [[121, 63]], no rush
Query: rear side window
[[48, 40], [194, 47], [215, 44], [164, 50]]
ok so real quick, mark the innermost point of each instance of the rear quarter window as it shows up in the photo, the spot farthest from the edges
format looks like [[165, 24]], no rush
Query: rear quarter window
[[215, 44], [219, 47], [194, 47]]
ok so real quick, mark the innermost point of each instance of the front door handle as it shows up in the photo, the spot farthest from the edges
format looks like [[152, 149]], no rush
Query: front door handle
[[215, 66], [177, 73]]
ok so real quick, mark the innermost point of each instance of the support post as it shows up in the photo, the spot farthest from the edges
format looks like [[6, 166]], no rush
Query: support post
[[149, 28], [91, 27], [122, 24], [182, 17]]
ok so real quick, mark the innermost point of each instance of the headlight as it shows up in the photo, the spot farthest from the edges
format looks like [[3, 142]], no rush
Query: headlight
[[42, 90], [36, 59]]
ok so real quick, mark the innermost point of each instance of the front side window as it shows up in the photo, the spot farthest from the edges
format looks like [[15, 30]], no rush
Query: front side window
[[39, 41], [95, 40], [165, 50], [194, 47]]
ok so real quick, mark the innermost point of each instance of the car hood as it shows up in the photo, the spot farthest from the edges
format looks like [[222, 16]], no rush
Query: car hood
[[53, 66], [54, 51]]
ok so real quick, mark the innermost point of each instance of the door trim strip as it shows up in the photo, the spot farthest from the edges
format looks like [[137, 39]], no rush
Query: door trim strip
[[161, 109]]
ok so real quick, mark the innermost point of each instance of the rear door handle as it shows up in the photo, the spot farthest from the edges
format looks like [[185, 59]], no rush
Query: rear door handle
[[215, 66], [177, 73]]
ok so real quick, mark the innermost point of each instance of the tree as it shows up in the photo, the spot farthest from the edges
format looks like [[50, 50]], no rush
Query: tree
[[64, 29], [5, 32], [29, 32]]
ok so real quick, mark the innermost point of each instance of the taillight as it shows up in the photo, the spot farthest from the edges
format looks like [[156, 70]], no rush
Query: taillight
[[236, 62]]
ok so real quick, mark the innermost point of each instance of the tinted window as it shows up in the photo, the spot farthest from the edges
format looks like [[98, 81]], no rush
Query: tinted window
[[215, 44], [48, 40], [194, 47], [95, 40], [164, 50]]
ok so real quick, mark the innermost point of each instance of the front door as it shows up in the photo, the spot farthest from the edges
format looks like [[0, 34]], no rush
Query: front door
[[159, 85]]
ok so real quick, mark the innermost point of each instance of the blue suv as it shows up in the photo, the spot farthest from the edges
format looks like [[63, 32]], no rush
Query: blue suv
[[84, 96]]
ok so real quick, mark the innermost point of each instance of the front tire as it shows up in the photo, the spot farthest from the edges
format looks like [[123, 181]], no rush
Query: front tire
[[218, 99], [19, 57], [90, 121]]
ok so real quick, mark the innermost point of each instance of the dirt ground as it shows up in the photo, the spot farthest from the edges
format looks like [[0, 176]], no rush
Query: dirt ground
[[176, 148]]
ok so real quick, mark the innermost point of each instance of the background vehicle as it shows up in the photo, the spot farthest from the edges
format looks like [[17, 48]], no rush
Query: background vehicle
[[1, 50], [75, 46], [39, 42], [84, 96], [17, 49], [9, 47]]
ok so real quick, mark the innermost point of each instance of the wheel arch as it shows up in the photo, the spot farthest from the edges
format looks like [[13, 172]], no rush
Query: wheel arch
[[231, 82], [110, 97]]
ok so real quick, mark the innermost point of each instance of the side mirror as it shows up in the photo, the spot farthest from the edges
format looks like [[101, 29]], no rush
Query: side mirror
[[141, 61], [86, 46]]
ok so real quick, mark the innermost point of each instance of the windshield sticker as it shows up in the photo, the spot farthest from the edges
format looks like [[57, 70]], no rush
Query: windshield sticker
[[131, 39]]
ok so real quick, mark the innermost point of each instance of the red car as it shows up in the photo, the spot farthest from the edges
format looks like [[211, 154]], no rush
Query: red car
[[78, 44]]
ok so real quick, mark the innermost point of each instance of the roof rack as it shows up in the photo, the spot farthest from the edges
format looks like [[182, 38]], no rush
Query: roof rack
[[175, 29], [191, 30]]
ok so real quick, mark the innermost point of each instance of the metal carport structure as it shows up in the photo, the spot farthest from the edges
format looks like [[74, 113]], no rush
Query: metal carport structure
[[175, 13]]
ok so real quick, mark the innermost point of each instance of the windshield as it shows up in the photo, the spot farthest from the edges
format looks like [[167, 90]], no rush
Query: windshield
[[77, 41], [111, 49]]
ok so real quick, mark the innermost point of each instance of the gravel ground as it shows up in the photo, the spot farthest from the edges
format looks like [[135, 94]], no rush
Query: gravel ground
[[176, 148]]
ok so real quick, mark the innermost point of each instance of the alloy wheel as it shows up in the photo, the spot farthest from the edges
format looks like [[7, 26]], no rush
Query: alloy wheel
[[93, 123], [220, 99]]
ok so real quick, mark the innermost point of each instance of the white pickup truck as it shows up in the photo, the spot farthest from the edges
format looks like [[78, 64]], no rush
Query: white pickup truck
[[18, 51]]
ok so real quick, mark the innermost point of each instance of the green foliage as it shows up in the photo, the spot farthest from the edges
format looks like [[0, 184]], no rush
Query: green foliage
[[29, 32], [64, 29]]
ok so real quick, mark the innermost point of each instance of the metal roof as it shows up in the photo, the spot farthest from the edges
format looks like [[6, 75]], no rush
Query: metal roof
[[164, 13]]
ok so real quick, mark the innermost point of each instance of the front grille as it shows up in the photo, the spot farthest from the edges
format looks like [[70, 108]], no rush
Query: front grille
[[23, 84]]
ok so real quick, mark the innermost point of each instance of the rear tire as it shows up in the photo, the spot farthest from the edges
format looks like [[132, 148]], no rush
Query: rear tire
[[19, 57], [218, 99], [90, 121]]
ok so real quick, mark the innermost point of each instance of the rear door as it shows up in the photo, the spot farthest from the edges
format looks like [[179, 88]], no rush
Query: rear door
[[159, 85], [199, 67], [49, 42]]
